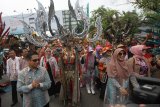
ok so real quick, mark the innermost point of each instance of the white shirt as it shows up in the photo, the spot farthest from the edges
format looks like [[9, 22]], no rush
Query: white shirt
[[53, 63], [13, 68]]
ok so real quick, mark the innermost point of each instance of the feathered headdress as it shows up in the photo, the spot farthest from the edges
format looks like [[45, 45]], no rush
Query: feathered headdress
[[3, 33]]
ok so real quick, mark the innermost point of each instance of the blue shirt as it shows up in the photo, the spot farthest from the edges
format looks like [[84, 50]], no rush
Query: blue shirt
[[34, 97]]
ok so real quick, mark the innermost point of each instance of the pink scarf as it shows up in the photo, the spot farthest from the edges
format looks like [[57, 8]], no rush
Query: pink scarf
[[117, 69], [137, 51]]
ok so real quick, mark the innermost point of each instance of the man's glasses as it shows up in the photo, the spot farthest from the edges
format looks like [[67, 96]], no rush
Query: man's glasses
[[35, 60]]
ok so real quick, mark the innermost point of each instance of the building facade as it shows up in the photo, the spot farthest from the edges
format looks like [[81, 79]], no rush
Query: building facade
[[16, 27]]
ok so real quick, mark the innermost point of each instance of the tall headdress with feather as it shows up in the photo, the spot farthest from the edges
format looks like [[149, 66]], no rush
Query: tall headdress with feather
[[43, 24], [3, 33]]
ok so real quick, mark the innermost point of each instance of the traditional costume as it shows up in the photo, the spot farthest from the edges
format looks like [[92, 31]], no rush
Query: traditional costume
[[50, 64], [90, 62], [70, 90], [118, 75]]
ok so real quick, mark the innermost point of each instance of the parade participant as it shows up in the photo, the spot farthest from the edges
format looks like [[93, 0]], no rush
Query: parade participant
[[138, 63], [125, 48], [118, 75], [90, 62], [33, 82], [12, 72], [32, 48], [42, 51], [50, 63], [70, 90], [98, 52], [57, 54], [38, 50], [5, 57], [23, 61], [82, 54], [102, 67]]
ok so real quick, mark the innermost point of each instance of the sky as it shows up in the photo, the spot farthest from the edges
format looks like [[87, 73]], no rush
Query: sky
[[15, 7]]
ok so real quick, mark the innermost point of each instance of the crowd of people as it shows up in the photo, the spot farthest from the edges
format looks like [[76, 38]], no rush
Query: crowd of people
[[56, 70]]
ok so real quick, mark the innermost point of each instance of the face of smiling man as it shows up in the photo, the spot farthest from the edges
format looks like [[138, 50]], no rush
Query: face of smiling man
[[34, 61]]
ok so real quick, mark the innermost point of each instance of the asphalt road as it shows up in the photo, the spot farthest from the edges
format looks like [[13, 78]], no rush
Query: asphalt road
[[87, 100]]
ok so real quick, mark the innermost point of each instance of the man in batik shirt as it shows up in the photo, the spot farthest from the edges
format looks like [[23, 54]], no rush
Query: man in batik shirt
[[33, 82]]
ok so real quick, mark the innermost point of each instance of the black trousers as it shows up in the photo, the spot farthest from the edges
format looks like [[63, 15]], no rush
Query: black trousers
[[14, 91], [102, 91]]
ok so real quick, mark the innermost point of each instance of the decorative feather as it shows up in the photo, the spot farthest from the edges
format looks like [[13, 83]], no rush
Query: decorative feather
[[4, 40], [71, 10], [40, 7], [77, 8], [51, 14], [41, 22], [5, 33], [2, 27], [28, 34], [98, 25]]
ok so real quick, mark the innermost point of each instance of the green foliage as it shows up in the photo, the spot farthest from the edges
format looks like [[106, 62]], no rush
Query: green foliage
[[105, 14], [116, 23], [151, 9], [148, 5], [134, 19]]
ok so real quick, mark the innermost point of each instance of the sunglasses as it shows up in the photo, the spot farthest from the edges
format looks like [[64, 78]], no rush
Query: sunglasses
[[35, 60], [122, 53]]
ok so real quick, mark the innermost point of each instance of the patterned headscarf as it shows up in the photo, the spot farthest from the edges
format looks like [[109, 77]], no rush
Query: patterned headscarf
[[137, 51], [138, 54]]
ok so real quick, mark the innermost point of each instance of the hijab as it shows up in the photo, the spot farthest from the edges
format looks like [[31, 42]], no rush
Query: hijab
[[98, 48], [137, 50], [116, 68]]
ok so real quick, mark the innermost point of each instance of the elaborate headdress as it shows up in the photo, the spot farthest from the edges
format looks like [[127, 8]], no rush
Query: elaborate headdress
[[43, 24], [3, 33]]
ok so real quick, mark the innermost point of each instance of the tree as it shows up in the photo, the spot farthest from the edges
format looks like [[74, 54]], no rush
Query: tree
[[151, 10], [148, 5], [117, 26]]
